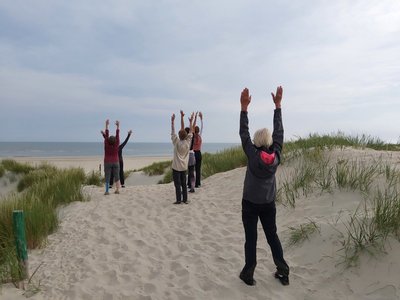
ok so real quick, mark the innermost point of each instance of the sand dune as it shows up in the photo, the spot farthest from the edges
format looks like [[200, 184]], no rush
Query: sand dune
[[138, 245]]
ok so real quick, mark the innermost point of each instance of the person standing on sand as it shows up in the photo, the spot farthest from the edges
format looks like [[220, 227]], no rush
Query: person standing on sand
[[197, 148], [192, 161], [181, 157], [121, 161], [111, 160], [259, 191]]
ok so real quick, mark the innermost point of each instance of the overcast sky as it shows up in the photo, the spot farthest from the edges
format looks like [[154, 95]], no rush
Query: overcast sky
[[66, 66]]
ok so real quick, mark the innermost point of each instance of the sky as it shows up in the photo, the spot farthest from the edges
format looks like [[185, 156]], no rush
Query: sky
[[66, 66]]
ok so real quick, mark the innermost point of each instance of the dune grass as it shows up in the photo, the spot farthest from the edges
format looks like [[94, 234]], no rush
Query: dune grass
[[303, 232], [2, 171], [94, 178], [45, 188], [15, 167]]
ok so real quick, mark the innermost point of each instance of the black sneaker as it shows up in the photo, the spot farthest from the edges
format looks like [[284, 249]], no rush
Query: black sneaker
[[177, 202], [284, 279], [191, 191], [248, 281]]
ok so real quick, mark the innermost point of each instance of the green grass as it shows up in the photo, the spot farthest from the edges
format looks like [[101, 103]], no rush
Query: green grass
[[15, 167], [2, 171], [94, 178], [45, 189], [303, 232], [157, 168]]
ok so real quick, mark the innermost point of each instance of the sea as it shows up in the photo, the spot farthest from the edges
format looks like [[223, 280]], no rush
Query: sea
[[58, 149]]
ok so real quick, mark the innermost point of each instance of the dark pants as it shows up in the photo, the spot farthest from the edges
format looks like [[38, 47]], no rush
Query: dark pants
[[121, 174], [191, 177], [197, 155], [180, 185], [267, 213]]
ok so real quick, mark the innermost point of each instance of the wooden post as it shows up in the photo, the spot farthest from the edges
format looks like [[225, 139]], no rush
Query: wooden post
[[20, 240], [100, 169]]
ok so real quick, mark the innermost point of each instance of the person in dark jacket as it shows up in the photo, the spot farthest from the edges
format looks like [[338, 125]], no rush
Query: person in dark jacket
[[259, 191]]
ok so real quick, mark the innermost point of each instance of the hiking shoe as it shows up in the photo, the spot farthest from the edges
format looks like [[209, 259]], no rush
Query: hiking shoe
[[186, 202], [106, 193], [117, 192], [284, 279], [191, 191]]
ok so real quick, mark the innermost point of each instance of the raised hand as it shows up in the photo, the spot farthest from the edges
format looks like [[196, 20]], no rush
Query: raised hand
[[277, 98], [245, 99], [117, 123], [173, 117], [182, 114], [201, 115], [130, 131], [107, 122]]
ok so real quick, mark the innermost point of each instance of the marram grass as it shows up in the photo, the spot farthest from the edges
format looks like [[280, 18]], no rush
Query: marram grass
[[46, 188]]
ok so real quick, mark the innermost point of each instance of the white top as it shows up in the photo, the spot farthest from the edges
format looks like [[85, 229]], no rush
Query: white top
[[181, 151]]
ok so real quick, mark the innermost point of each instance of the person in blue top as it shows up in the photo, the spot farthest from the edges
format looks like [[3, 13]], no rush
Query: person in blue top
[[259, 191]]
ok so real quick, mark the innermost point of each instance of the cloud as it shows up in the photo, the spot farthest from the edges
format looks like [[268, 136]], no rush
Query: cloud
[[76, 63]]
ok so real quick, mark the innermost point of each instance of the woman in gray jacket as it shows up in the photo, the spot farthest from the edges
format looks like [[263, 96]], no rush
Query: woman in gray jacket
[[259, 191]]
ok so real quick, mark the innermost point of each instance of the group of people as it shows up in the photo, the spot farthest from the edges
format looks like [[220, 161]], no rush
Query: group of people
[[259, 191], [187, 156]]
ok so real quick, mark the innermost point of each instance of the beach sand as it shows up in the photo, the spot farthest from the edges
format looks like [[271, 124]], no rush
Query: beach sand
[[138, 245]]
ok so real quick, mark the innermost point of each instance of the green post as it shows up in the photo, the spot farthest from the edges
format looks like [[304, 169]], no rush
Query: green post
[[20, 240]]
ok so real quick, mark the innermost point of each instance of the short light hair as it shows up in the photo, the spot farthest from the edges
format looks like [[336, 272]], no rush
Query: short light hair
[[262, 138]]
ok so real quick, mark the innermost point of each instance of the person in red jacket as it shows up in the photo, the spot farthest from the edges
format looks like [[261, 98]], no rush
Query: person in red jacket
[[111, 158]]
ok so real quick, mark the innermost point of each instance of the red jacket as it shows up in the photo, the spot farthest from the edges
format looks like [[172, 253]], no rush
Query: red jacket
[[111, 151]]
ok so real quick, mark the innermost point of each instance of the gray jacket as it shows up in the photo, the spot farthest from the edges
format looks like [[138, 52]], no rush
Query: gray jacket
[[259, 183]]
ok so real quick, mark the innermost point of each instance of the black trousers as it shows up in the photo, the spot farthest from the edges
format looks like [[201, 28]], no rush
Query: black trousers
[[180, 185], [191, 177], [197, 155], [121, 174], [267, 214]]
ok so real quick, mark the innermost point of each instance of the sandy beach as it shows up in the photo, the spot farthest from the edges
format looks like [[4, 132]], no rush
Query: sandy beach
[[138, 245]]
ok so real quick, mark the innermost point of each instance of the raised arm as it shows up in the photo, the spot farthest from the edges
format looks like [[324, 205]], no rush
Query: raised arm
[[192, 121], [277, 135], [245, 100], [201, 121], [106, 131], [126, 140], [117, 131], [182, 121], [173, 124]]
